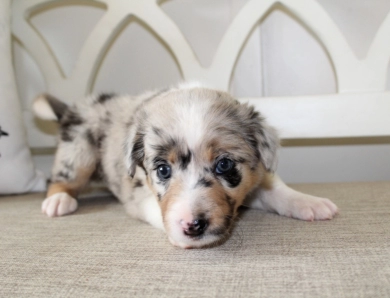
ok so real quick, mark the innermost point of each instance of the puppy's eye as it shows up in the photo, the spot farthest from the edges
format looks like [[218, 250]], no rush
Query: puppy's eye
[[224, 166], [164, 172]]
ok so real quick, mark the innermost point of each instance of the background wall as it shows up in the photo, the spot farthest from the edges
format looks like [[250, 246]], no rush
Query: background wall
[[281, 58]]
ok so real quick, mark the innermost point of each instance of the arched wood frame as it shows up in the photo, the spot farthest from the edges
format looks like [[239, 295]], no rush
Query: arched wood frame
[[361, 108]]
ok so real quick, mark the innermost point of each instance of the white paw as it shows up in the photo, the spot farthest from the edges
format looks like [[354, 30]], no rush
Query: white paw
[[59, 204], [311, 208]]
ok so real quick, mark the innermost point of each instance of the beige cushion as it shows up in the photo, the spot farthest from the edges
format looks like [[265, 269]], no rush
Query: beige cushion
[[100, 251]]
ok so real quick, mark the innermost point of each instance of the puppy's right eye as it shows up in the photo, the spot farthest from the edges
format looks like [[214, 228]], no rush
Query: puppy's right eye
[[164, 172]]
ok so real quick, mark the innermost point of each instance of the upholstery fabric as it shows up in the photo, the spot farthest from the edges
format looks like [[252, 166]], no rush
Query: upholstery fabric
[[101, 252]]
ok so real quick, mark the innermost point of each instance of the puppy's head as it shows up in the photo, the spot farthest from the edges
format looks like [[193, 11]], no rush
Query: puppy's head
[[203, 152]]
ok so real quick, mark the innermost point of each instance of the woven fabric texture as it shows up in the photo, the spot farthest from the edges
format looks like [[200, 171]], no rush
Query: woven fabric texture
[[100, 252]]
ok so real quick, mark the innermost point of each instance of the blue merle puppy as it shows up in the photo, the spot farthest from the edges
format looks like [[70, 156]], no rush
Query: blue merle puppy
[[182, 159]]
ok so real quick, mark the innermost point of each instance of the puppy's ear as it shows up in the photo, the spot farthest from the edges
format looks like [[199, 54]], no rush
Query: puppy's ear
[[268, 146], [263, 138], [135, 149]]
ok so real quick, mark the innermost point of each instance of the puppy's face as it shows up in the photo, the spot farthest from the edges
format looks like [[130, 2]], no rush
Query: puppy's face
[[203, 152]]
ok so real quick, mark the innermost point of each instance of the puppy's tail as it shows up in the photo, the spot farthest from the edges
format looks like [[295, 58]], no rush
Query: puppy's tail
[[47, 107]]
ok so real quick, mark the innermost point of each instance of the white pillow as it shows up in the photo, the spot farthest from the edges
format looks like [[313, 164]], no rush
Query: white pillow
[[17, 173]]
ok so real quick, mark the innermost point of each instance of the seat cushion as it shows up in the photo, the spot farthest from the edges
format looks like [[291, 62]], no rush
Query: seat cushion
[[100, 251]]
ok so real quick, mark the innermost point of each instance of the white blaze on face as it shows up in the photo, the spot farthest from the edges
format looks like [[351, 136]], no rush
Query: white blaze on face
[[186, 202], [186, 206], [191, 124], [178, 214]]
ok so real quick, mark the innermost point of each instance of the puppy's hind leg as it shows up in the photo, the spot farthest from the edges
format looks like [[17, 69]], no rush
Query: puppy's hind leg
[[73, 167]]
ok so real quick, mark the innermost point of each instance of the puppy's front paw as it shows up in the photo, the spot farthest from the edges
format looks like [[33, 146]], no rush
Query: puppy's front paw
[[59, 204], [311, 208]]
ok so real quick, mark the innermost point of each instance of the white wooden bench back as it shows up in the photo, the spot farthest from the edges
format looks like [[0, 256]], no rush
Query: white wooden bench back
[[360, 108]]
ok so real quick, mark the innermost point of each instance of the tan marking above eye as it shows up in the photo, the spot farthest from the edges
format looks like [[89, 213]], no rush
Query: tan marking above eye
[[209, 151], [172, 157]]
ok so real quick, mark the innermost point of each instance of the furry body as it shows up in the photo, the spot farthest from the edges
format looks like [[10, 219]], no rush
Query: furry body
[[182, 159]]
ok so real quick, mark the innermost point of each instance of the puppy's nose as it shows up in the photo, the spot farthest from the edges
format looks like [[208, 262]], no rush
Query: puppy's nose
[[195, 228]]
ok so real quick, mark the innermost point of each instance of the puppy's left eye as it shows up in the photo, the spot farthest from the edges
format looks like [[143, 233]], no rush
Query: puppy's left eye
[[164, 172], [224, 166]]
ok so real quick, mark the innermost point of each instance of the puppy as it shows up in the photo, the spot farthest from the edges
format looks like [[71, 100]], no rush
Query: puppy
[[182, 159]]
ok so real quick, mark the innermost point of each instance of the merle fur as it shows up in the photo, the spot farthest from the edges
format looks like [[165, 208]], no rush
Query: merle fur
[[162, 150], [69, 120], [185, 159], [98, 173], [203, 182], [137, 153], [95, 141], [138, 183], [103, 97]]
